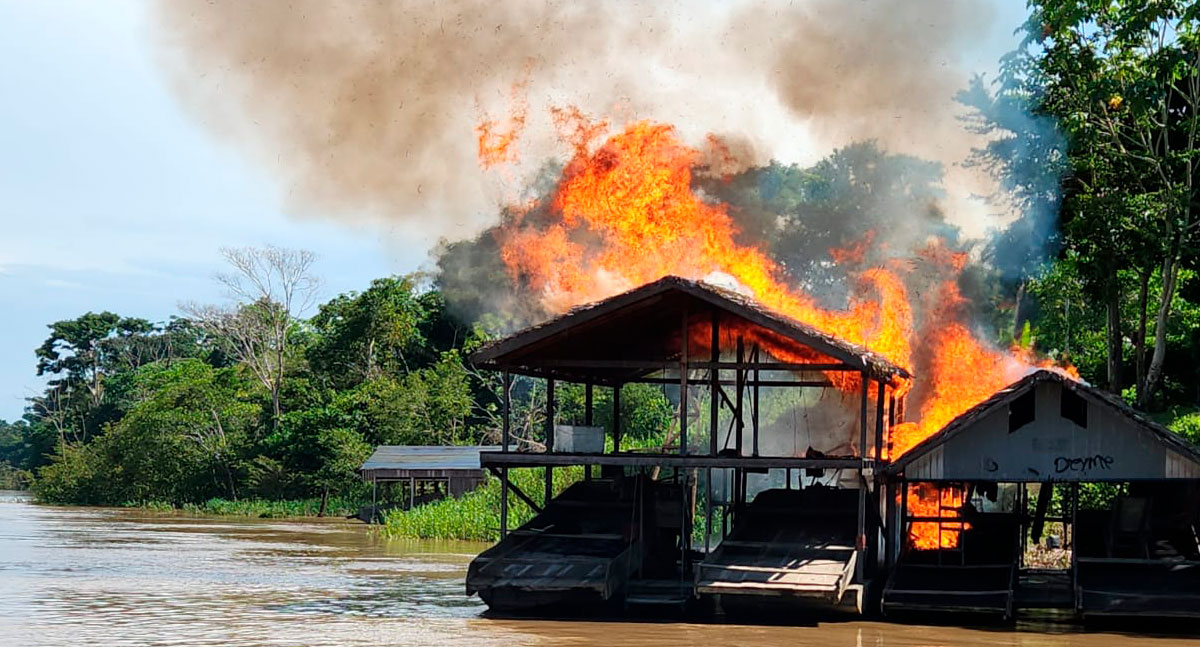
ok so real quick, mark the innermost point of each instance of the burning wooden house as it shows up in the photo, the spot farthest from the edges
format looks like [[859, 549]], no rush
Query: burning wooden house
[[1122, 493], [799, 510]]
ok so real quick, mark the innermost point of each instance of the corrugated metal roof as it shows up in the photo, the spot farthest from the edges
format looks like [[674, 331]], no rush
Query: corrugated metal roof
[[426, 457]]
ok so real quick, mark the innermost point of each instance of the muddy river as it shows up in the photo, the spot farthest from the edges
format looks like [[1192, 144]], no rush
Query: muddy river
[[92, 576]]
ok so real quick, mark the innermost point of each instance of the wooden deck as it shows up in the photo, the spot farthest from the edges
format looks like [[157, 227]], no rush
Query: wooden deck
[[792, 543], [981, 577]]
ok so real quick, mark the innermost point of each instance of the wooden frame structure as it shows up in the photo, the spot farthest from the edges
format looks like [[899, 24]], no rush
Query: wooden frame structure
[[697, 336], [1052, 430]]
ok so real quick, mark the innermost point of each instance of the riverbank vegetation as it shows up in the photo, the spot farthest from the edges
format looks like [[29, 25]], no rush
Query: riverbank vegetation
[[273, 397]]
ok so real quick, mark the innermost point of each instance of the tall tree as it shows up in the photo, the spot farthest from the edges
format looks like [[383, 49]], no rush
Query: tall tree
[[365, 335], [1124, 77], [270, 286]]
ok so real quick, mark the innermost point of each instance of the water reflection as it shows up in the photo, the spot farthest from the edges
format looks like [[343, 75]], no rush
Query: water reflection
[[119, 577]]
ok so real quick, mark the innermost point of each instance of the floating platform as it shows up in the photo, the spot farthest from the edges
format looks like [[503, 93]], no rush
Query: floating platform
[[580, 548], [1137, 587], [979, 577], [791, 545]]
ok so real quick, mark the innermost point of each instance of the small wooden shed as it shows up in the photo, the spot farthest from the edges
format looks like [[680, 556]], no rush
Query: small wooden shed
[[430, 472]]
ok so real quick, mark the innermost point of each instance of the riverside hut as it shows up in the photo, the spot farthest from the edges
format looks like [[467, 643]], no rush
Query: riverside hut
[[424, 473], [975, 498]]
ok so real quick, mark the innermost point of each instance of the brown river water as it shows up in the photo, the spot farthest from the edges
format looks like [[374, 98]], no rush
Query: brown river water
[[96, 576]]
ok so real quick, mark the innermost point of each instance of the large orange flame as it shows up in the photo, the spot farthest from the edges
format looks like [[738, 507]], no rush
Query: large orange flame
[[624, 213]]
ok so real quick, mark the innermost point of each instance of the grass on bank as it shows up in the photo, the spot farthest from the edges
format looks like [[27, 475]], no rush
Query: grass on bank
[[263, 509], [475, 516]]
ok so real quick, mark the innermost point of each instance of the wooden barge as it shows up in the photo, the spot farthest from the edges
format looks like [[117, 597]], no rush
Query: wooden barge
[[826, 520]]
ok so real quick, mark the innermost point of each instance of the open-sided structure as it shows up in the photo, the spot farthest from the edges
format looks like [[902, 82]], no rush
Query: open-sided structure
[[426, 473], [717, 352], [1134, 546]]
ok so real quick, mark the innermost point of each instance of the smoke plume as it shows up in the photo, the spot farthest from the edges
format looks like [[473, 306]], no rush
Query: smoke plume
[[370, 110]]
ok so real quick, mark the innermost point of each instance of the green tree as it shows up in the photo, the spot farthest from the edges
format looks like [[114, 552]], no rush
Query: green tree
[[270, 286], [362, 336], [181, 442], [1124, 79]]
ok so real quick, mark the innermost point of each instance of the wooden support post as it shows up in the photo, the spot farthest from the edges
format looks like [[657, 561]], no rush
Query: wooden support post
[[879, 398], [891, 423], [616, 418], [708, 509], [549, 439], [902, 529], [503, 502], [714, 387], [683, 383], [739, 375], [860, 543], [862, 414], [739, 386], [588, 419], [506, 406], [889, 521], [754, 404], [713, 410], [587, 404], [549, 416], [374, 498], [506, 426], [1074, 537]]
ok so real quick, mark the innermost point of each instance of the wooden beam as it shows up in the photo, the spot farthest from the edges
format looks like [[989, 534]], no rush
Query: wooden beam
[[693, 364], [532, 459], [820, 384], [502, 474]]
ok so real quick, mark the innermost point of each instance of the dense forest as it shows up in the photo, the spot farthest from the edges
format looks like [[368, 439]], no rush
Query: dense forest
[[1093, 134]]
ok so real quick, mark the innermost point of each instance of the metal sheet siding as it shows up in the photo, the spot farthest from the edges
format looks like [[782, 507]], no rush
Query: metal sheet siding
[[1180, 467], [1053, 448], [926, 468]]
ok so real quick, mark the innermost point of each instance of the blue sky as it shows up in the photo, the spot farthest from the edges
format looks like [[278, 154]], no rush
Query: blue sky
[[111, 198]]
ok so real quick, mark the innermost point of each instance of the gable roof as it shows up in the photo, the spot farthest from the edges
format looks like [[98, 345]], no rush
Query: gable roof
[[1011, 392], [637, 311]]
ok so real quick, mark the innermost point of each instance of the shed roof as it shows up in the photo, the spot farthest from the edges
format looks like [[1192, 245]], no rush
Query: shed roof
[[644, 323], [966, 420], [402, 461]]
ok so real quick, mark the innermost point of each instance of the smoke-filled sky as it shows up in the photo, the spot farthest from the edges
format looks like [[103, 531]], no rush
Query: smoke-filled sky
[[136, 139]]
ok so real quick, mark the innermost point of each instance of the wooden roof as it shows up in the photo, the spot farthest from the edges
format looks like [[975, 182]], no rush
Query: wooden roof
[[965, 422], [643, 324]]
